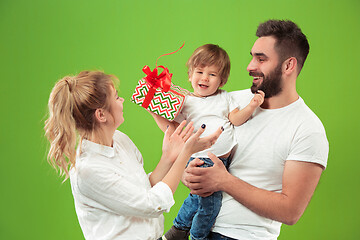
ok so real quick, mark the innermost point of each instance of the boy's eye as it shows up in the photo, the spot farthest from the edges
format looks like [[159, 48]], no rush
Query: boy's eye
[[199, 72], [213, 75]]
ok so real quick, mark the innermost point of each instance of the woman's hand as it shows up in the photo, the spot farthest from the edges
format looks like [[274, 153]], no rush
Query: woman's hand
[[175, 139], [197, 144], [192, 145]]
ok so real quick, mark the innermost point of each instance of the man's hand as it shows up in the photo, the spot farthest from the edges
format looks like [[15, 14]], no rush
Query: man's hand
[[205, 181]]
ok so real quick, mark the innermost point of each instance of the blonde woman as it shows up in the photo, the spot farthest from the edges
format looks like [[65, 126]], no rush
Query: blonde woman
[[114, 197]]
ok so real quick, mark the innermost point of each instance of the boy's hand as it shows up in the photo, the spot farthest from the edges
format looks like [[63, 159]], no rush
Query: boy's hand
[[162, 122], [257, 100], [152, 113]]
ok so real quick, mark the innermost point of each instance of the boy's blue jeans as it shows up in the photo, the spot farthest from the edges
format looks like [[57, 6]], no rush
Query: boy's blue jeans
[[198, 214]]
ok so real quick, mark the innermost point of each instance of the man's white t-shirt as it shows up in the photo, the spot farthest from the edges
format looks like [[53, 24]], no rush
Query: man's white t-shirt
[[265, 142]]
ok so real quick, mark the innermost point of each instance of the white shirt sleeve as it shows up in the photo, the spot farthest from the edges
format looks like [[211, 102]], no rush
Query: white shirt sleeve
[[181, 116], [232, 103], [310, 147], [112, 191]]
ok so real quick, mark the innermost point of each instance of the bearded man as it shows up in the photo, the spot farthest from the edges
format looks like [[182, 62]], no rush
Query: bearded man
[[282, 149]]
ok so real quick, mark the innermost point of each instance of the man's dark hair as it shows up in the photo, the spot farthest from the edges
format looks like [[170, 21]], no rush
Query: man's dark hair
[[290, 41]]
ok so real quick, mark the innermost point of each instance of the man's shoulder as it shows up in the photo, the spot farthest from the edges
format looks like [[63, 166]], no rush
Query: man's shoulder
[[307, 116], [241, 92]]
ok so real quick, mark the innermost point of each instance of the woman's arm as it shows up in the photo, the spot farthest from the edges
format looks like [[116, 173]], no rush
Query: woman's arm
[[120, 194], [173, 143]]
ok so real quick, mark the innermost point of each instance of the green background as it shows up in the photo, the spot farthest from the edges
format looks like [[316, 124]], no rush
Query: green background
[[42, 41]]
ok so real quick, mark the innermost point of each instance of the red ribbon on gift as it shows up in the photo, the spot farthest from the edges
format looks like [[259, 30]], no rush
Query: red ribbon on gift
[[155, 80]]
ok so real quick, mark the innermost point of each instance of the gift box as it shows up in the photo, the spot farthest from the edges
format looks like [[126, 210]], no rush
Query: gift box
[[158, 94]]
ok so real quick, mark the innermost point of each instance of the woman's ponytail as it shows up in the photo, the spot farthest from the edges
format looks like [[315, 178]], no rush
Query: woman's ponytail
[[60, 127]]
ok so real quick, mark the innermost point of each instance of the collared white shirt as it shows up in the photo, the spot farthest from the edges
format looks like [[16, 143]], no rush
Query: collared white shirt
[[112, 193]]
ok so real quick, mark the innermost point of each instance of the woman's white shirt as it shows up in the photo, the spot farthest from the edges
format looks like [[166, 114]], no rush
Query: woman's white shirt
[[112, 193]]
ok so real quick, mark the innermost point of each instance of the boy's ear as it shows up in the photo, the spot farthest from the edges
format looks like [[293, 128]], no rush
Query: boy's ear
[[221, 84], [100, 115], [189, 74]]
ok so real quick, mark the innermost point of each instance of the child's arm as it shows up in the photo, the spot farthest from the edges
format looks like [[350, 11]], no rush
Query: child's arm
[[238, 117], [162, 122]]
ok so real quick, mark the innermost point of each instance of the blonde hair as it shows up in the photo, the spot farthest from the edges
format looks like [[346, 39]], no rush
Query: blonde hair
[[72, 105], [210, 54]]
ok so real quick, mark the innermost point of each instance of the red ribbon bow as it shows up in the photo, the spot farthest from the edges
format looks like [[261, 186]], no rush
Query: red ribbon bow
[[155, 80]]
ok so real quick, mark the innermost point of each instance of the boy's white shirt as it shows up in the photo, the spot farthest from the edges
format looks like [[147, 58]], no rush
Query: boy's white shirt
[[213, 111]]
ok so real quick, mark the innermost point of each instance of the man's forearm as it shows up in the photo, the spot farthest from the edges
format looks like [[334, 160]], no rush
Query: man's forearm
[[299, 183], [265, 203]]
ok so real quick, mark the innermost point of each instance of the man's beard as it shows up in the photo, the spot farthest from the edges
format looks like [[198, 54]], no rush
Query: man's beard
[[271, 84]]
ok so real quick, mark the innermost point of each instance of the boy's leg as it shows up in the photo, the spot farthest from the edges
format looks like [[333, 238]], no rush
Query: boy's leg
[[204, 219], [183, 220], [186, 213], [175, 234], [208, 209]]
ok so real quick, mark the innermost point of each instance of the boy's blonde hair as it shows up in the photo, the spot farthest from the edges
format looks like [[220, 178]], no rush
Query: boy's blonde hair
[[72, 105], [210, 54]]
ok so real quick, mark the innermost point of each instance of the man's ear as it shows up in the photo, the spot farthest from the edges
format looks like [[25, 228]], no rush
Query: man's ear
[[100, 115], [289, 65]]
